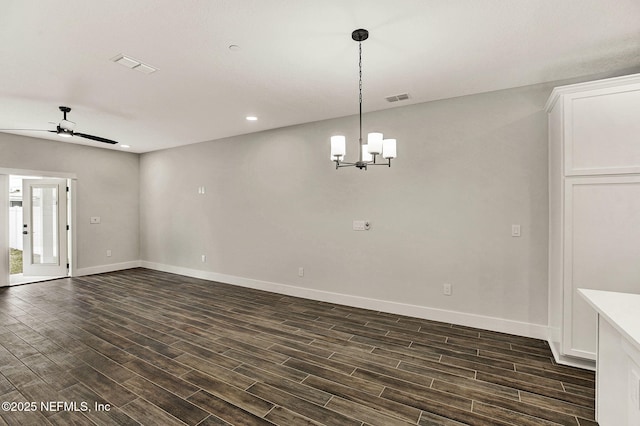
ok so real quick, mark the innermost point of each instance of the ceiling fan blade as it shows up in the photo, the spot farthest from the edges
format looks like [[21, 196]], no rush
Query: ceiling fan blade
[[94, 138], [27, 130]]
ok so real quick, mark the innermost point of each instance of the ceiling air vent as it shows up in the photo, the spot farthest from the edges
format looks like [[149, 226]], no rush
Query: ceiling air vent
[[134, 64], [396, 98]]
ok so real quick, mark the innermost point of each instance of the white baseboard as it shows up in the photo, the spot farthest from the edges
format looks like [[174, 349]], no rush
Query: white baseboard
[[536, 331], [106, 268]]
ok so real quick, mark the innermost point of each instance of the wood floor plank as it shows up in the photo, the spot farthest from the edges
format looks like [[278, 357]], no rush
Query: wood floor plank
[[169, 402], [442, 409], [361, 412], [267, 365], [508, 415], [283, 416], [154, 358], [315, 359], [69, 418], [204, 353], [212, 368], [160, 377], [108, 389], [359, 358], [232, 394], [301, 390], [226, 410], [166, 349], [146, 413], [5, 385], [424, 391], [336, 376], [375, 402], [308, 409]]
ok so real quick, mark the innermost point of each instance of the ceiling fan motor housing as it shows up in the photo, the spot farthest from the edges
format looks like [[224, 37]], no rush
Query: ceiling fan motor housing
[[67, 125]]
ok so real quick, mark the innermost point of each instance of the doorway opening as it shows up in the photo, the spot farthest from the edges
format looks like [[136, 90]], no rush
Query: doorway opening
[[39, 237]]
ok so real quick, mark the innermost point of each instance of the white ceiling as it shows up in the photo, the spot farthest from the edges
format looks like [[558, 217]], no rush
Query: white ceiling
[[296, 62]]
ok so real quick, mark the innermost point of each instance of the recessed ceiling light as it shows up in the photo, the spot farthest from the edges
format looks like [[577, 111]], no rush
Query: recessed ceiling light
[[252, 118]]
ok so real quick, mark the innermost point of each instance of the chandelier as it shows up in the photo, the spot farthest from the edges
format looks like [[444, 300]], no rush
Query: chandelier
[[376, 144]]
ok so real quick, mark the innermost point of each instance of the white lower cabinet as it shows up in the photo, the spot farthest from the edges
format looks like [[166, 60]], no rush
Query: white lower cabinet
[[601, 251]]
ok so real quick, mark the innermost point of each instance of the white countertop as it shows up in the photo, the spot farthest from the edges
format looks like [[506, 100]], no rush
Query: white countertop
[[621, 310]]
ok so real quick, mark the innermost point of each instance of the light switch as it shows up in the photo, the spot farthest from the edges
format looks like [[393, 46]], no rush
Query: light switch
[[515, 230]]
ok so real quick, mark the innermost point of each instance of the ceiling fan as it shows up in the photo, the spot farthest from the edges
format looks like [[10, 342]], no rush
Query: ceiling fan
[[65, 129]]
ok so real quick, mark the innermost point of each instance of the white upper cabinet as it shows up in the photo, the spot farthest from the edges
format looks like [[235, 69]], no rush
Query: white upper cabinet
[[601, 126]]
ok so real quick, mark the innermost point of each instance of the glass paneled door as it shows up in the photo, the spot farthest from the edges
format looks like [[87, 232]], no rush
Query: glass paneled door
[[44, 211]]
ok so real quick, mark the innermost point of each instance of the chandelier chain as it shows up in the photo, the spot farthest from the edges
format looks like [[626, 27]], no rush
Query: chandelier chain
[[360, 69], [360, 90]]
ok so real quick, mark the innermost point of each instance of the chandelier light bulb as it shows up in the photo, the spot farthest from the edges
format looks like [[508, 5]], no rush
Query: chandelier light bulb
[[338, 147], [389, 149], [375, 143]]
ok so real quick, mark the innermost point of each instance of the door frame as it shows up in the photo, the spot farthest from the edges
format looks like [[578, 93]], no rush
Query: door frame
[[4, 217]]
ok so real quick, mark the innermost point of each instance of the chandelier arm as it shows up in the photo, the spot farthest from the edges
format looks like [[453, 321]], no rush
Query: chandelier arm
[[388, 163]]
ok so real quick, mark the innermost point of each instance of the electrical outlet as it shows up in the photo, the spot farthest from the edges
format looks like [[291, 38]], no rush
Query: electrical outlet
[[301, 271], [108, 253], [446, 289], [515, 230]]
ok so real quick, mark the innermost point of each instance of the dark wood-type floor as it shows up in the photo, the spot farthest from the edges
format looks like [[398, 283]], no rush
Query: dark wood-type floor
[[163, 349]]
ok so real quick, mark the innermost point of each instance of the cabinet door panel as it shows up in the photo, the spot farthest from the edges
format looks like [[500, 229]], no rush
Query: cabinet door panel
[[602, 250], [602, 132]]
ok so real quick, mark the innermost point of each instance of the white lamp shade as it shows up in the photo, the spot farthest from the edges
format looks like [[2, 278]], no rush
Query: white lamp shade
[[374, 140], [338, 144], [389, 148], [366, 156]]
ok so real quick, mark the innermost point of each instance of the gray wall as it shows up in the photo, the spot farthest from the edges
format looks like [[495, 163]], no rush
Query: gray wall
[[468, 169], [107, 186]]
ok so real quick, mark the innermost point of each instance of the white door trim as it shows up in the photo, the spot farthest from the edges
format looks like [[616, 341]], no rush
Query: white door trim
[[4, 227], [24, 172]]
